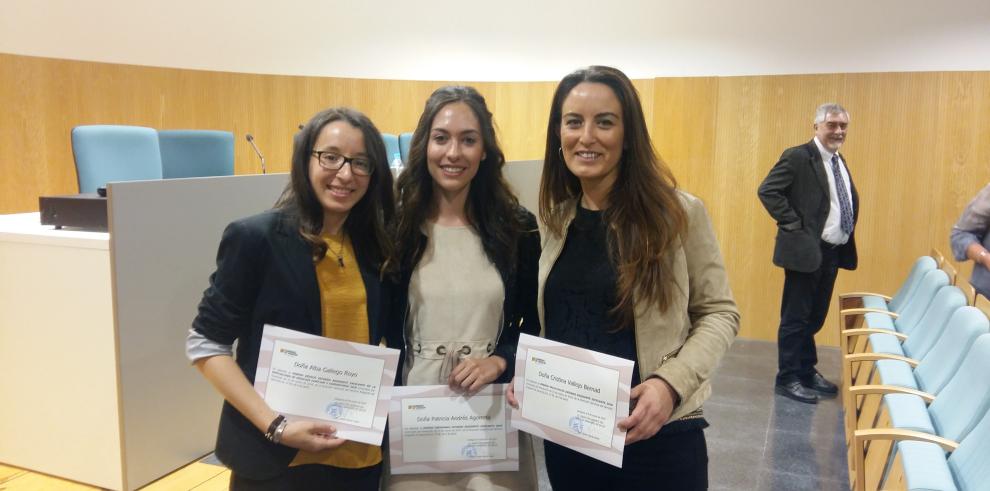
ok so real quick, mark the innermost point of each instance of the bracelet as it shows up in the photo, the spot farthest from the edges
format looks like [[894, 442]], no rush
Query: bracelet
[[272, 428], [277, 437], [981, 254]]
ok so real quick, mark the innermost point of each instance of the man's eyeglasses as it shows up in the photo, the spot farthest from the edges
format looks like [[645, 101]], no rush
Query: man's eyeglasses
[[334, 161]]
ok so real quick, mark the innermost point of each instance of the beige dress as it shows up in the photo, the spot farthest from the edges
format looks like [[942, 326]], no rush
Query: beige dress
[[455, 311]]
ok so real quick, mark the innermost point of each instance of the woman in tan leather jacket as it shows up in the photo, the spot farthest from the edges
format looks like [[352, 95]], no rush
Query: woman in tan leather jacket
[[630, 267]]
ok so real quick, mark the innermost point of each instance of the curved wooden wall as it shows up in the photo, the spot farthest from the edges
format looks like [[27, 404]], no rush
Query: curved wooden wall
[[918, 147]]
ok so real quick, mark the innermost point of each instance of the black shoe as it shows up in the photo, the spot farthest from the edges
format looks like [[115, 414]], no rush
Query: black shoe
[[794, 390], [819, 384]]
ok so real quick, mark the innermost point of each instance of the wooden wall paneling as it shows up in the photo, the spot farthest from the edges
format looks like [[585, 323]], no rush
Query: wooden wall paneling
[[893, 162], [744, 231], [917, 144], [645, 89], [683, 130], [963, 153], [24, 146], [521, 114]]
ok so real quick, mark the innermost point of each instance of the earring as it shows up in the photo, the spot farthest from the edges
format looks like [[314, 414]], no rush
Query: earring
[[560, 150]]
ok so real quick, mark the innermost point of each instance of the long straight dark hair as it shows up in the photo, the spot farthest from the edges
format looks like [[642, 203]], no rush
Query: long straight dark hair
[[491, 207], [645, 217], [368, 222]]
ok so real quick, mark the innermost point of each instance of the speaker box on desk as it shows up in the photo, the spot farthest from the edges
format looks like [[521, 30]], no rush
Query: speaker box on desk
[[86, 211]]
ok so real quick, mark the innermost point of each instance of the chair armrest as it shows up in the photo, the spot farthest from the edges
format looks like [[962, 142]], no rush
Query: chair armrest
[[853, 357], [843, 296], [862, 390], [860, 437], [866, 310], [897, 434], [848, 333]]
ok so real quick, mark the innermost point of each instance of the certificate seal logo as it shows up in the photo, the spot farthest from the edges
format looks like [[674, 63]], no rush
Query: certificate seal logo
[[334, 410], [469, 451], [576, 425]]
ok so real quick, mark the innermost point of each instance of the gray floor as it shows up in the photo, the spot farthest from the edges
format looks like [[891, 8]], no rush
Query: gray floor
[[758, 440], [761, 441]]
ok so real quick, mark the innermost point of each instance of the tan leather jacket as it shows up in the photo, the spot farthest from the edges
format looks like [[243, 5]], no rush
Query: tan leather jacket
[[684, 344]]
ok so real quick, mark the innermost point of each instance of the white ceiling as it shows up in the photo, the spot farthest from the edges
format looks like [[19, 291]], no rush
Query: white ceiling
[[506, 39]]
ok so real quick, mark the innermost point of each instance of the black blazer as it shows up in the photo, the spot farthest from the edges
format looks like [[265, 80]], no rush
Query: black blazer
[[265, 275], [796, 194], [519, 312]]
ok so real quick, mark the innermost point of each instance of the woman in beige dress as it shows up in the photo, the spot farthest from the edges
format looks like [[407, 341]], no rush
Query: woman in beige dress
[[468, 255]]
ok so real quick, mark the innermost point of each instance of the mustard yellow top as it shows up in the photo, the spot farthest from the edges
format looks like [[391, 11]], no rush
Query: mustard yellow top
[[344, 309]]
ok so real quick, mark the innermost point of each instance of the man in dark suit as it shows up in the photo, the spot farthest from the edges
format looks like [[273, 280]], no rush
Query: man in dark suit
[[810, 194]]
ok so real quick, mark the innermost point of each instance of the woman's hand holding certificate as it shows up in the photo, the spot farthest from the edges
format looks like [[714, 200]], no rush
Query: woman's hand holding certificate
[[321, 380], [654, 404], [574, 397]]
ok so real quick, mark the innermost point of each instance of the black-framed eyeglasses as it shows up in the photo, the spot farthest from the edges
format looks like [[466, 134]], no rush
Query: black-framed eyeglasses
[[334, 161]]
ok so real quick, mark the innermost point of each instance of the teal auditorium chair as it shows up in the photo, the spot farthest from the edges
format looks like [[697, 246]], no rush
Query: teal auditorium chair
[[911, 312], [955, 408], [925, 376], [932, 371], [392, 148], [952, 416], [877, 301], [927, 330], [967, 468], [405, 140], [888, 328], [107, 153], [196, 153]]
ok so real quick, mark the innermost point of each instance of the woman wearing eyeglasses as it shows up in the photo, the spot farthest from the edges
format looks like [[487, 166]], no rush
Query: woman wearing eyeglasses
[[313, 263], [468, 256]]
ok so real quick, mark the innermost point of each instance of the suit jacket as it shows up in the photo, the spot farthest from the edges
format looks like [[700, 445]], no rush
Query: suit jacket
[[796, 194], [265, 275]]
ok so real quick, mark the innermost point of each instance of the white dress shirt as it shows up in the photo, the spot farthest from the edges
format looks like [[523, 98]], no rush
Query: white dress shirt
[[832, 233]]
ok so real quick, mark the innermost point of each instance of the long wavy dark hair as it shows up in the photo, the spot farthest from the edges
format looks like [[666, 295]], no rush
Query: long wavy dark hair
[[368, 222], [491, 206], [645, 216]]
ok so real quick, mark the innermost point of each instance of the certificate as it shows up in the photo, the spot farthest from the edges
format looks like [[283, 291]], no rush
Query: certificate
[[572, 396], [436, 430], [320, 379]]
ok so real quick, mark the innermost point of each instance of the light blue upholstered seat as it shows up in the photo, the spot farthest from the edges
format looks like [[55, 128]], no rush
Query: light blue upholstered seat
[[196, 153], [957, 407], [913, 310], [967, 468], [405, 140], [942, 360], [392, 148], [107, 153], [923, 335], [921, 266]]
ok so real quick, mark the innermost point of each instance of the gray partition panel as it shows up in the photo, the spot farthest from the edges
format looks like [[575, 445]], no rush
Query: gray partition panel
[[163, 242], [524, 177]]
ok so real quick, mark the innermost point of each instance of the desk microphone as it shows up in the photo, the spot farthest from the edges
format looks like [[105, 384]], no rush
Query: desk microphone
[[250, 140], [301, 127]]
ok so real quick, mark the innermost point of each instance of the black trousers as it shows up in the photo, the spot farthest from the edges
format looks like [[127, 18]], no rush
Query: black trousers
[[314, 476], [803, 308], [677, 461]]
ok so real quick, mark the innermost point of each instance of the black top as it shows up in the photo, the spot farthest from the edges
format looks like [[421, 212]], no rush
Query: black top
[[580, 293]]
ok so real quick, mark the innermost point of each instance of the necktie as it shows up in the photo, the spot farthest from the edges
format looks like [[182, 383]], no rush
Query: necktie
[[845, 209]]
